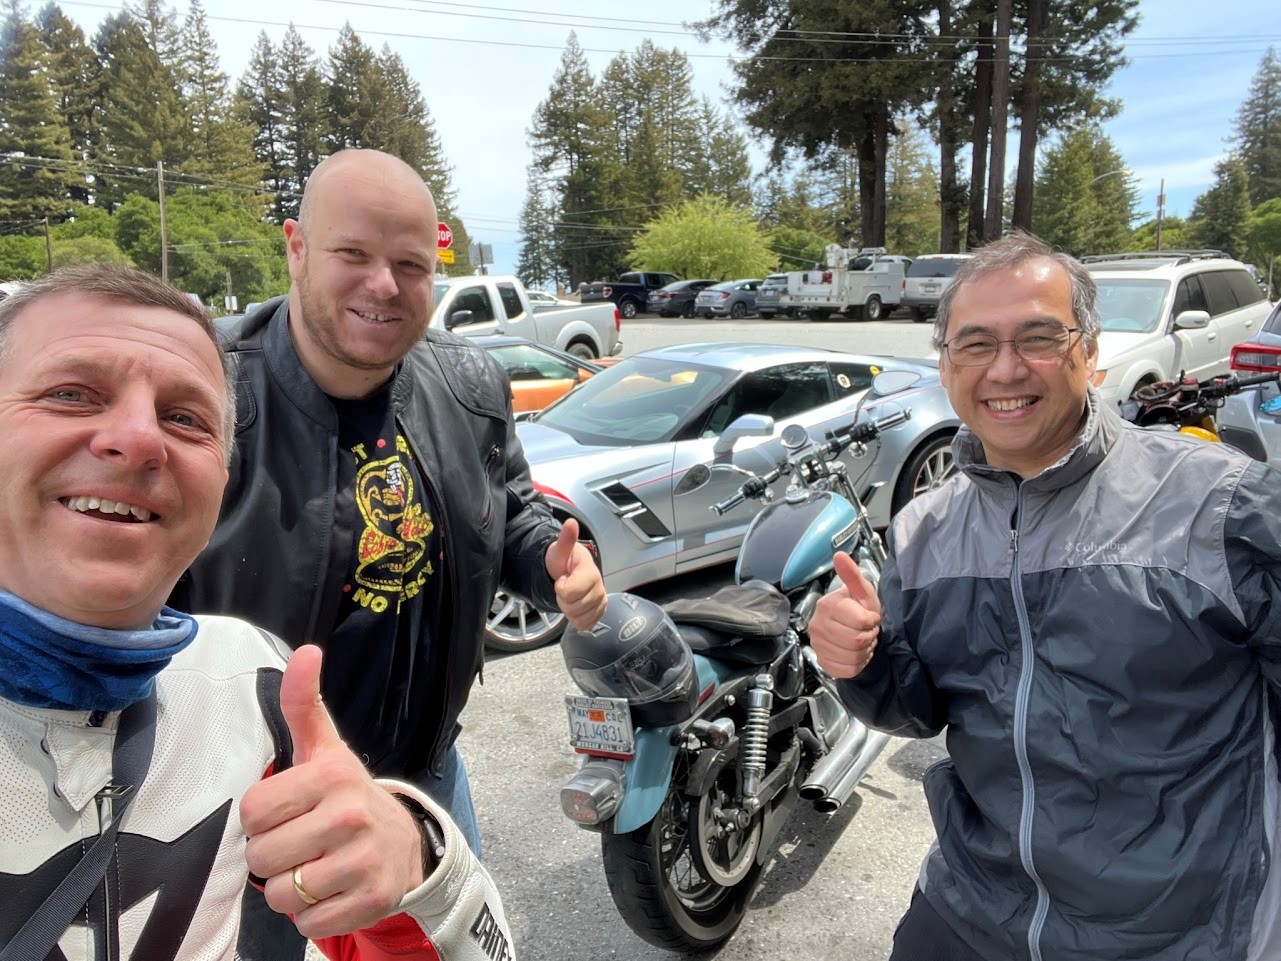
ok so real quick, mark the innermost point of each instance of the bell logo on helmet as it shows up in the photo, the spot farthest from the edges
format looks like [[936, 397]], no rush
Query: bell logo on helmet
[[631, 628]]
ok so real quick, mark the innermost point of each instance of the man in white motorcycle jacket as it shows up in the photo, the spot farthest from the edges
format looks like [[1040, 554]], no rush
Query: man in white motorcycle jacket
[[185, 744], [1092, 612]]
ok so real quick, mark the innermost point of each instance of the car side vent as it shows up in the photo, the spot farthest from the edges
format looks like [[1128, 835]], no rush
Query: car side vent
[[631, 509]]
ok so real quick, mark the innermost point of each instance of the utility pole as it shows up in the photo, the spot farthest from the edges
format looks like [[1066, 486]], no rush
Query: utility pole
[[1160, 212], [164, 234], [48, 246]]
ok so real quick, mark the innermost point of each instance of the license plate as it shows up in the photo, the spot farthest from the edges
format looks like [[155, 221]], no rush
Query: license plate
[[930, 288], [600, 725]]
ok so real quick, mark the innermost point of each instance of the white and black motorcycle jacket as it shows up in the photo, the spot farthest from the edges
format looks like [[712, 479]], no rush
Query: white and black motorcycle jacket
[[174, 887]]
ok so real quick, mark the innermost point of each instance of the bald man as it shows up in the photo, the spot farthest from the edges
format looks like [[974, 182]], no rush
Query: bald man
[[378, 494]]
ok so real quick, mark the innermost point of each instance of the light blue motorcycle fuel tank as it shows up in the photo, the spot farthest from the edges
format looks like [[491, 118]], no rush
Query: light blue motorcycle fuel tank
[[790, 543]]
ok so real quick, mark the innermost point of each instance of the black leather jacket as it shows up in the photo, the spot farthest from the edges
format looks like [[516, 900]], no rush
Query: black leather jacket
[[275, 559]]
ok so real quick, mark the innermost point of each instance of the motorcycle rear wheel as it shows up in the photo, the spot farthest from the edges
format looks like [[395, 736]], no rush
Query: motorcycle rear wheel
[[662, 891]]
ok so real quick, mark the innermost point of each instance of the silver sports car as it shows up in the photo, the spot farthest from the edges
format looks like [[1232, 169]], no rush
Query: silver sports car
[[613, 451]]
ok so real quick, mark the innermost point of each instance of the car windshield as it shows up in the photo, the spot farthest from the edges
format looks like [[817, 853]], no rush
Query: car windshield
[[641, 400], [1131, 306], [935, 267], [1273, 324]]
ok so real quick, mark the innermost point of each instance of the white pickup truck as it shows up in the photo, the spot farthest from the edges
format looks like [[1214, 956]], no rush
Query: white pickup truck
[[477, 305]]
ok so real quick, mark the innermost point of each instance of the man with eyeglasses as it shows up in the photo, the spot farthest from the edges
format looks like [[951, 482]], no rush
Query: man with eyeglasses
[[1092, 612]]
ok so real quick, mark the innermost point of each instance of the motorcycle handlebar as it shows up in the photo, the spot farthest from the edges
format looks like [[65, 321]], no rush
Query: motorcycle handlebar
[[1272, 378], [856, 433]]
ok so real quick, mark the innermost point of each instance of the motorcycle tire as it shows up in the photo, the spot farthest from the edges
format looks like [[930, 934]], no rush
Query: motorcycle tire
[[644, 868]]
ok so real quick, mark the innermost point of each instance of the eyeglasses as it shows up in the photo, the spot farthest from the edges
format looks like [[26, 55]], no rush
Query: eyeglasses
[[979, 350]]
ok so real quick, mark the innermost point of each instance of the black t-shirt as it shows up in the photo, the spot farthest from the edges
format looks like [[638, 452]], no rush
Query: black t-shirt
[[378, 660]]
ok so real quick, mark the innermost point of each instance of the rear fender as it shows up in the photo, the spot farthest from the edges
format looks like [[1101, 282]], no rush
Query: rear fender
[[648, 775]]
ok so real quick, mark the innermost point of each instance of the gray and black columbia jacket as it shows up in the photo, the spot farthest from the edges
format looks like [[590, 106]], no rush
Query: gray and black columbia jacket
[[1102, 644]]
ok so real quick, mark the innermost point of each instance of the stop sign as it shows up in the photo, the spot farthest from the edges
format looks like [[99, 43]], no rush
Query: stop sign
[[444, 236]]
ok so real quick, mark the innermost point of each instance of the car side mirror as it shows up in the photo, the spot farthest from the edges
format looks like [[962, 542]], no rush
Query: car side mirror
[[893, 381], [1192, 320], [749, 425], [459, 318]]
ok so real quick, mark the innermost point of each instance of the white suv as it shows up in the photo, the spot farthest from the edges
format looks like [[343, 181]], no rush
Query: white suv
[[1170, 311]]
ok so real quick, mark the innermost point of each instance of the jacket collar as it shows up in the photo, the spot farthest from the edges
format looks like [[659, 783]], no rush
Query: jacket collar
[[1098, 434], [287, 368]]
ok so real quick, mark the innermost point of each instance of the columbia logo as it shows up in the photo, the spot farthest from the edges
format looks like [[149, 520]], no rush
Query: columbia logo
[[489, 935]]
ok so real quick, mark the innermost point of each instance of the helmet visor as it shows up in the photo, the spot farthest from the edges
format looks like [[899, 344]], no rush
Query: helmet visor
[[644, 674]]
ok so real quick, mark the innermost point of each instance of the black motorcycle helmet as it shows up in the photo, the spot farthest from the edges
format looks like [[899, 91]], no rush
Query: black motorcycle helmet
[[635, 651]]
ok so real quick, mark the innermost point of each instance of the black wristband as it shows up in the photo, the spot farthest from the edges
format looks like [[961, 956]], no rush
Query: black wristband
[[432, 838]]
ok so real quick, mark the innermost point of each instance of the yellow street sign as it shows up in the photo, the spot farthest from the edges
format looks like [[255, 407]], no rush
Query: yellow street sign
[[446, 256]]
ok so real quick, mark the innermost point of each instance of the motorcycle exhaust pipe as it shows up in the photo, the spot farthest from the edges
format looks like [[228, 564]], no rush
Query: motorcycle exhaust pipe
[[833, 764], [845, 785]]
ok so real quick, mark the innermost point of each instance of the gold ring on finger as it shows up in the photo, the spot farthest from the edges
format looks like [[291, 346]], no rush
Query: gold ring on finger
[[302, 892]]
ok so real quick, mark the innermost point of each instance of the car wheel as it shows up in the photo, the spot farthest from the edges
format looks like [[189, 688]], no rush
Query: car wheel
[[918, 314], [628, 309], [929, 466], [872, 309], [739, 310], [514, 626], [582, 350]]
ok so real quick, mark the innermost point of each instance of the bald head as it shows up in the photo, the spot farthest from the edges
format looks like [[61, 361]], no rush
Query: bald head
[[337, 172]]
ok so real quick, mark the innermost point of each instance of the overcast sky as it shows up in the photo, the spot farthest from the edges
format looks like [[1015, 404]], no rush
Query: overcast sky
[[484, 67]]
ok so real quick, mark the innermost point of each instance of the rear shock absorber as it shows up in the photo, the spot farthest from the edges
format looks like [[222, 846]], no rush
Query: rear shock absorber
[[759, 701]]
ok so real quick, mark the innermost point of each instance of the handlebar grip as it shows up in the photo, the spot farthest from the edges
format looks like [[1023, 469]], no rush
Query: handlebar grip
[[725, 506], [1272, 378]]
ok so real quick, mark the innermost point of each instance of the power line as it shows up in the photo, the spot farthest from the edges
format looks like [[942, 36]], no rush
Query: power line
[[1200, 52]]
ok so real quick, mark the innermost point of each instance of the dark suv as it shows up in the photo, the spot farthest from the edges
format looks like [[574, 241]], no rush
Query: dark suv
[[677, 299]]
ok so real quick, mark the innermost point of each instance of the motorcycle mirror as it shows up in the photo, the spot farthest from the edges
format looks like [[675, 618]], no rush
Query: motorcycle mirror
[[749, 425], [795, 437], [893, 381], [694, 478]]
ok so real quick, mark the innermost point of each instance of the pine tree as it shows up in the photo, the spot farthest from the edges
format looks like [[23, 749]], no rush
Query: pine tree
[[1064, 206], [1221, 216], [1258, 133], [36, 172], [720, 166], [304, 117], [143, 116], [354, 86], [1117, 195], [260, 100], [159, 23], [77, 81], [220, 139], [912, 196], [538, 262]]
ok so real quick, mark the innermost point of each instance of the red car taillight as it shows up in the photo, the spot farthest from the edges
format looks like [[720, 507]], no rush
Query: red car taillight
[[618, 321], [725, 296], [1260, 358]]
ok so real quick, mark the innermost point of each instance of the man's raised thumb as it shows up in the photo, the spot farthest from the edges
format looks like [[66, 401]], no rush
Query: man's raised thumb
[[563, 550], [856, 584], [309, 723]]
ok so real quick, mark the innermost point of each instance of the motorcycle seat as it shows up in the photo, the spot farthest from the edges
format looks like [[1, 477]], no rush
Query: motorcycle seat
[[741, 624]]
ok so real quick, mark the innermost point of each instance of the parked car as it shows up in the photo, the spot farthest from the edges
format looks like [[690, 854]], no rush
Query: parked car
[[926, 279], [1251, 420], [538, 299], [613, 453], [677, 299], [768, 294], [630, 292], [539, 375], [733, 298], [1170, 311], [474, 305]]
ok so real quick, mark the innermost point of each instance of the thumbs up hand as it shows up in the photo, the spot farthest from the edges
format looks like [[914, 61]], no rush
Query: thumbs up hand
[[580, 591], [325, 824], [846, 622]]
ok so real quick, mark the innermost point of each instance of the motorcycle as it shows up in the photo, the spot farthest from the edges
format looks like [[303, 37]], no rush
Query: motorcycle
[[1187, 405], [706, 722]]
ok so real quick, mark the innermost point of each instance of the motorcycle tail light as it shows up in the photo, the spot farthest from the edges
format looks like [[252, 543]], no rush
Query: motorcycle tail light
[[1257, 358], [594, 794]]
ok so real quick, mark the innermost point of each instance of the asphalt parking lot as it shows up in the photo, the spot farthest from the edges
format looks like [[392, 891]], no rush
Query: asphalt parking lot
[[835, 885]]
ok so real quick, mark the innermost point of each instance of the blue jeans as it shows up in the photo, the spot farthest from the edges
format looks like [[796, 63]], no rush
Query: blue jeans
[[268, 936]]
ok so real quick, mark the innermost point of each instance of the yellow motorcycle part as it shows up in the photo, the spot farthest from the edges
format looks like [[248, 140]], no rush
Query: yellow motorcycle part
[[1201, 433]]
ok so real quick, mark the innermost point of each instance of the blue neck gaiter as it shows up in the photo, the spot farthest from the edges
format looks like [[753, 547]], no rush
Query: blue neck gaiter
[[48, 661]]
